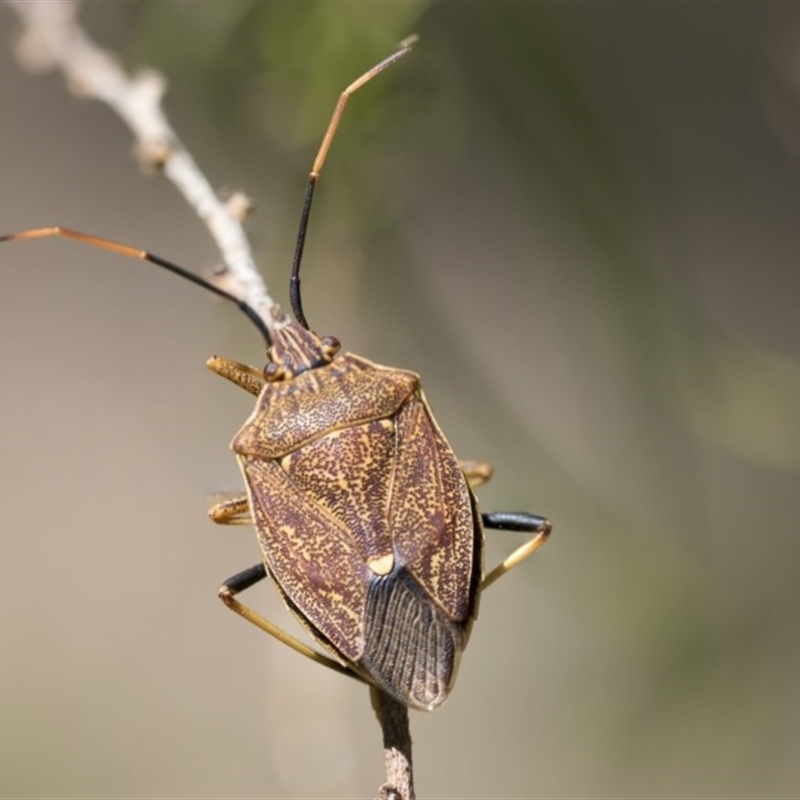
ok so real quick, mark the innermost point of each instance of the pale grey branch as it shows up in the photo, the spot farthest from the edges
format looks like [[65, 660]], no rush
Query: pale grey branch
[[52, 38], [393, 717]]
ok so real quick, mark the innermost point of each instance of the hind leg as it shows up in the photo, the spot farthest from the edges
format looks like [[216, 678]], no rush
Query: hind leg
[[516, 521]]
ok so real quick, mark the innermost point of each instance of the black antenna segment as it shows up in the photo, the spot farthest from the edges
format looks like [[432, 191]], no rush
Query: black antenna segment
[[143, 255], [313, 177]]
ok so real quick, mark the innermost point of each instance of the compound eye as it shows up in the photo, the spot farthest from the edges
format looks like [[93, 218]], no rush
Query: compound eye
[[273, 372], [331, 345]]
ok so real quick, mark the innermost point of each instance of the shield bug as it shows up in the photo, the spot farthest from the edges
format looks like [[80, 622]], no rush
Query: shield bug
[[366, 518]]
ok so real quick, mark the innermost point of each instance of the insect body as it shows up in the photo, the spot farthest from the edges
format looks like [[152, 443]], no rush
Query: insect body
[[363, 514], [365, 517]]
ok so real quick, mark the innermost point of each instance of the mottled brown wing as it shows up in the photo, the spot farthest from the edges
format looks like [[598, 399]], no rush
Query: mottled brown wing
[[310, 555], [349, 474], [432, 518], [417, 618]]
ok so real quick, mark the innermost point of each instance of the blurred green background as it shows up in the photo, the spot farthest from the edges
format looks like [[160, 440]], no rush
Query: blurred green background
[[579, 222]]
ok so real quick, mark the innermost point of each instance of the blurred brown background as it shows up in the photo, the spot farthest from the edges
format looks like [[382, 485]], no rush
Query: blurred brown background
[[580, 223]]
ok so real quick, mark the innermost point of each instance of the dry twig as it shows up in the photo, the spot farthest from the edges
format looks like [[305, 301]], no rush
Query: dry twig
[[393, 717], [52, 38]]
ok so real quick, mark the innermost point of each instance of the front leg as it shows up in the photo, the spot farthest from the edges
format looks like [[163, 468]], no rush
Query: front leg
[[249, 378]]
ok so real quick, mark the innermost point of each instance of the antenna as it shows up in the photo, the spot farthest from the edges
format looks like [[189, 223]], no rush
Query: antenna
[[143, 255], [294, 284], [313, 177]]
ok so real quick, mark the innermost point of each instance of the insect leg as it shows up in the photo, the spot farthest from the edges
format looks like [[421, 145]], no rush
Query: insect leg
[[476, 472], [516, 521], [244, 580], [235, 511], [249, 378]]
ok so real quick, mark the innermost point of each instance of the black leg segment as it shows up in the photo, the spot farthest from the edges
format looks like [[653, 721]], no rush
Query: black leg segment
[[515, 521], [520, 521], [244, 579]]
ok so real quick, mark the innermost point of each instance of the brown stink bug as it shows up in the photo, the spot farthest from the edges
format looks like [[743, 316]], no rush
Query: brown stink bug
[[365, 517]]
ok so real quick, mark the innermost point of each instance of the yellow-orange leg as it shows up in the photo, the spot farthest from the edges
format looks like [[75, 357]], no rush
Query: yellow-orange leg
[[476, 472], [236, 511], [248, 378], [516, 521], [244, 580], [479, 472]]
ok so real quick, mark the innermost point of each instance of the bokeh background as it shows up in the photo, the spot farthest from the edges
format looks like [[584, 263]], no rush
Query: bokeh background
[[581, 223]]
